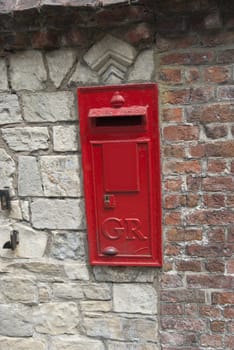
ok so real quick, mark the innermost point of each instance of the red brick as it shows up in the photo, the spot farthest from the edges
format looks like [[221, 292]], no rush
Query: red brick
[[141, 32], [211, 217], [48, 40], [173, 114], [188, 265], [226, 92], [217, 326], [229, 312], [192, 200], [170, 75], [216, 131], [214, 113], [193, 183], [230, 327], [213, 340], [229, 341], [217, 74], [190, 309], [176, 339], [188, 58], [173, 218], [208, 281], [209, 311], [76, 37], [183, 296], [215, 266], [218, 38], [225, 56], [216, 165], [167, 266], [192, 75], [230, 266], [220, 149], [171, 309], [213, 20], [197, 151], [171, 281], [218, 183], [173, 201], [183, 324], [181, 133], [230, 201], [182, 167], [183, 235], [173, 185], [181, 42], [232, 167], [232, 130], [175, 97], [172, 250], [230, 237], [223, 298], [174, 151], [205, 250], [202, 94], [216, 235], [214, 200]]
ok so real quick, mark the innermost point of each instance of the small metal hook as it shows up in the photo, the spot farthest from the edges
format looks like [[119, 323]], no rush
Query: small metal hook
[[5, 199], [14, 241]]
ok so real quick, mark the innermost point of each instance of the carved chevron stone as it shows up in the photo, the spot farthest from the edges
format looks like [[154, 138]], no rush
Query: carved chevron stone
[[110, 58]]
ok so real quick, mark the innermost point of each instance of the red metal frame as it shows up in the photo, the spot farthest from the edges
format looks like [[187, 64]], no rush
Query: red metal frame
[[123, 195]]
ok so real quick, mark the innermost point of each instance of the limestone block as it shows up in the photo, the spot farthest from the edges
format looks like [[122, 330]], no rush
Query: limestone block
[[110, 58], [119, 328], [97, 291], [60, 62], [26, 139], [68, 245], [3, 78], [8, 343], [27, 71], [10, 112], [7, 166], [83, 75], [65, 138], [140, 298], [16, 320], [60, 176], [32, 243], [67, 291], [29, 181], [15, 212], [57, 214], [76, 271], [143, 67], [49, 107], [132, 346], [56, 318], [19, 289], [44, 293], [76, 343], [124, 274], [25, 210], [95, 306]]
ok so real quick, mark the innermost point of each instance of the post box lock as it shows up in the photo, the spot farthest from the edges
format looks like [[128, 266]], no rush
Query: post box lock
[[121, 165]]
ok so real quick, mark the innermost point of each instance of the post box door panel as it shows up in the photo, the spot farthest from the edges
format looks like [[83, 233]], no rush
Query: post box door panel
[[122, 171], [121, 167]]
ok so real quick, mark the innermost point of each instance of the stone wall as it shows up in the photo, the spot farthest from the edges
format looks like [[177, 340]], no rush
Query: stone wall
[[50, 297]]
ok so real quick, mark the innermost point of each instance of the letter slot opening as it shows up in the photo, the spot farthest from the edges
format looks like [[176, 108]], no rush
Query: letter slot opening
[[125, 120]]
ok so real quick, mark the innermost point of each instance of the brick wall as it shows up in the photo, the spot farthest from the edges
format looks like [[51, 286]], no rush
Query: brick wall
[[50, 298]]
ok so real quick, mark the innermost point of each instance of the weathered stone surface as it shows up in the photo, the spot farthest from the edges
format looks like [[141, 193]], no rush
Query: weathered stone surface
[[124, 274], [97, 291], [65, 138], [26, 139], [95, 306], [29, 181], [69, 245], [27, 71], [8, 343], [15, 212], [110, 58], [18, 289], [56, 318], [83, 75], [115, 327], [57, 214], [68, 291], [76, 271], [60, 62], [76, 343], [143, 67], [25, 210], [60, 176], [7, 167], [16, 320], [48, 107], [131, 346], [32, 243], [10, 112], [139, 298], [6, 230], [3, 78]]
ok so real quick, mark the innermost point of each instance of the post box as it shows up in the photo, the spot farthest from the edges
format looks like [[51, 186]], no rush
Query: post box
[[120, 145]]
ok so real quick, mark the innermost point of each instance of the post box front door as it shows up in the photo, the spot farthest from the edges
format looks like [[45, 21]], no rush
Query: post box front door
[[120, 152]]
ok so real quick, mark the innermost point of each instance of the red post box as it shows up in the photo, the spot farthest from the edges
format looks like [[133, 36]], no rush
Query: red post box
[[121, 166]]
